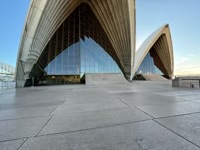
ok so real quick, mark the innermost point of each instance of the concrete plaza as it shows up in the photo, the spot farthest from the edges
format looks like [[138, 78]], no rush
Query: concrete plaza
[[139, 115]]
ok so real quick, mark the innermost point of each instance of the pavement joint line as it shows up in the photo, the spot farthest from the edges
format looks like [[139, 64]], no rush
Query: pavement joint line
[[22, 138], [22, 143], [54, 109], [143, 111], [177, 115], [122, 101], [24, 118], [63, 101], [87, 129], [44, 126], [176, 133]]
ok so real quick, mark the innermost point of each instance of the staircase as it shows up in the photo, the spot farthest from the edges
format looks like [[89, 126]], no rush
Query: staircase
[[104, 78], [154, 77]]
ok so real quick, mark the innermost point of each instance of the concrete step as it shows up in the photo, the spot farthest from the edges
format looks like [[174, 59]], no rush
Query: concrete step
[[104, 78], [154, 77]]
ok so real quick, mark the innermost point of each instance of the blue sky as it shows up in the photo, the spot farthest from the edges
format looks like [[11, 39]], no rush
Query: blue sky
[[12, 16], [183, 17]]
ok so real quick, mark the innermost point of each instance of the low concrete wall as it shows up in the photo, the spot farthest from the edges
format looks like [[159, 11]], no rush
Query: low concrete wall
[[187, 81]]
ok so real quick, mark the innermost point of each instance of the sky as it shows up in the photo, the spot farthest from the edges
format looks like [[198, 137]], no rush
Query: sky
[[12, 18], [183, 16]]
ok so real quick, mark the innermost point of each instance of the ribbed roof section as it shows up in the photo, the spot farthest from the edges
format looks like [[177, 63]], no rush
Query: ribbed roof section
[[117, 18], [160, 42]]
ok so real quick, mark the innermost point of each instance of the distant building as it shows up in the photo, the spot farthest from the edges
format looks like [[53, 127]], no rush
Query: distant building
[[64, 40], [6, 72]]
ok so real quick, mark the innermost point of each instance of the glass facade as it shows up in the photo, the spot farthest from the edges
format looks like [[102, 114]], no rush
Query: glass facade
[[65, 63], [147, 66], [79, 46], [94, 59]]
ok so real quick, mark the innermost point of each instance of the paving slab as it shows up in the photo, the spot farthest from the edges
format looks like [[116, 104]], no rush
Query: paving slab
[[88, 99], [132, 136], [113, 87], [140, 99], [178, 91], [180, 108], [65, 108], [141, 95], [93, 119], [189, 97], [188, 126], [87, 93], [97, 117], [39, 97], [11, 145], [197, 101], [144, 102], [28, 104], [122, 91], [21, 128], [25, 112]]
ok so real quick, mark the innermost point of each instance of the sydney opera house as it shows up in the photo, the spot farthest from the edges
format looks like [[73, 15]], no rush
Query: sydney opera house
[[64, 40]]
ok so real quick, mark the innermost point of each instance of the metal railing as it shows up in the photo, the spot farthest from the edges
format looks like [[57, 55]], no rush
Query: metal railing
[[7, 85]]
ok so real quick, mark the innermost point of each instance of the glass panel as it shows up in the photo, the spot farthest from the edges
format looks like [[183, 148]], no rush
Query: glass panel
[[147, 66], [58, 64], [94, 59], [79, 46]]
